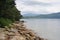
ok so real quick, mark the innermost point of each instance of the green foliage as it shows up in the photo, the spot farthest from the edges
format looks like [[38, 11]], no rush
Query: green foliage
[[8, 12], [5, 22]]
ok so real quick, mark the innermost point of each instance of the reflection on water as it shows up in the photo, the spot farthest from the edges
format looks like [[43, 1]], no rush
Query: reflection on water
[[46, 28]]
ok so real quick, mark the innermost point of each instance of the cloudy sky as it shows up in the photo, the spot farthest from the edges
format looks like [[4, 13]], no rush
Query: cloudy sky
[[38, 6]]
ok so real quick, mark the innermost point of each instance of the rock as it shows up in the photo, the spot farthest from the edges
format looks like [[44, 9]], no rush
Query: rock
[[18, 32], [2, 36], [18, 38]]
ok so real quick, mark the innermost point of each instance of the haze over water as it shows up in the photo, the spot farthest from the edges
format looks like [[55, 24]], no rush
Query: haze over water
[[45, 28]]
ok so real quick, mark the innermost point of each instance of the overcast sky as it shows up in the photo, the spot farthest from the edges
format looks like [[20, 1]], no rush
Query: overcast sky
[[38, 6]]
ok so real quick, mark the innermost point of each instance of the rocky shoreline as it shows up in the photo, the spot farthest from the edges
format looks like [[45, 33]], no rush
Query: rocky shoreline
[[17, 31]]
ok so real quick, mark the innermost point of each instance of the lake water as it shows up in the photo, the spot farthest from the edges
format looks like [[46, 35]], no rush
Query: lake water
[[45, 28]]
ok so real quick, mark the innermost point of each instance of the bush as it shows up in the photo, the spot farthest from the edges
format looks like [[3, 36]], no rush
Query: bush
[[4, 22], [8, 12]]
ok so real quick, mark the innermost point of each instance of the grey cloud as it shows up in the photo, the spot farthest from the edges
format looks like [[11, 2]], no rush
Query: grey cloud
[[27, 2], [28, 12], [41, 12]]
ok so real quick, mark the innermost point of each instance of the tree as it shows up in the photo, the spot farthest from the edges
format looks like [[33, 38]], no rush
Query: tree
[[8, 12]]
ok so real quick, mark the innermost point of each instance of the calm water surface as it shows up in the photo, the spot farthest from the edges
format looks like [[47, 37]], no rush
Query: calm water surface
[[45, 28]]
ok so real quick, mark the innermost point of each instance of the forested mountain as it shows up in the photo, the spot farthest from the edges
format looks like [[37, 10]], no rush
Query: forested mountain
[[8, 12], [30, 14], [52, 15]]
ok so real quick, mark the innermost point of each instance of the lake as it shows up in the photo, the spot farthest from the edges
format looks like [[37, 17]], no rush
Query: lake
[[45, 28]]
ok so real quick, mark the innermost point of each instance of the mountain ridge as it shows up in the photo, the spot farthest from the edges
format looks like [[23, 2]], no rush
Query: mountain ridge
[[30, 14], [52, 15]]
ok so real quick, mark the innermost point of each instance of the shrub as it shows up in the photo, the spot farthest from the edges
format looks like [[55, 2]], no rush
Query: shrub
[[4, 22]]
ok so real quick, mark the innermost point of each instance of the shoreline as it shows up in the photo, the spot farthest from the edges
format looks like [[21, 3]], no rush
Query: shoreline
[[18, 31]]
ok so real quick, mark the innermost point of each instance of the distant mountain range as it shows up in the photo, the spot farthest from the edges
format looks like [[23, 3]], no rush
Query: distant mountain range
[[52, 15], [29, 15]]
